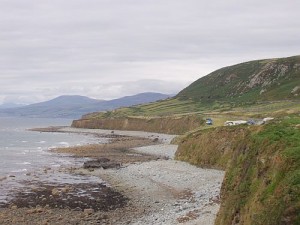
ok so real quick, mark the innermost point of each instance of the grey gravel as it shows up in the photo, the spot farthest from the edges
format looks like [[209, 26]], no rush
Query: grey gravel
[[171, 192]]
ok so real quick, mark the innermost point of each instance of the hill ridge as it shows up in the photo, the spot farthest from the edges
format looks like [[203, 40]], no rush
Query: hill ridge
[[74, 106], [267, 79]]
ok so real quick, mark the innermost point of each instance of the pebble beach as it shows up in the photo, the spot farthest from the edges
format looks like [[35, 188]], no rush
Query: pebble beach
[[155, 190]]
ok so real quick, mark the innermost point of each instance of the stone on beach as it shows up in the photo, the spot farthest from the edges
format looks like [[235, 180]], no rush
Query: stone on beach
[[2, 178], [66, 189], [104, 163], [55, 191], [88, 211]]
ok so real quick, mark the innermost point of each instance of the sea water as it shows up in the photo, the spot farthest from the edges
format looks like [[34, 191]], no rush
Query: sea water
[[24, 152]]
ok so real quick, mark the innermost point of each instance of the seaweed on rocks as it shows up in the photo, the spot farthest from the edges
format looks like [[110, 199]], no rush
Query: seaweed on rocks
[[77, 197]]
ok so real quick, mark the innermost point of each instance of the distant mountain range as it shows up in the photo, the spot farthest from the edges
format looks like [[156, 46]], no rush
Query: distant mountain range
[[10, 105], [74, 106]]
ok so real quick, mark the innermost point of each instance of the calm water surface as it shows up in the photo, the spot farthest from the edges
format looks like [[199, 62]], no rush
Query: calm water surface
[[24, 152]]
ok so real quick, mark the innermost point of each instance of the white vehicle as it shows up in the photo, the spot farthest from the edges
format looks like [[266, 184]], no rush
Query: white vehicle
[[235, 122], [267, 119]]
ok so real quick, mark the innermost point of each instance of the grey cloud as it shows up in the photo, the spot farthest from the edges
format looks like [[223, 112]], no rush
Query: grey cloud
[[48, 44], [96, 90]]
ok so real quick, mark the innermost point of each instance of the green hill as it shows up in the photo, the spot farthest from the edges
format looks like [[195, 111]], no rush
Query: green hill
[[260, 80], [255, 88]]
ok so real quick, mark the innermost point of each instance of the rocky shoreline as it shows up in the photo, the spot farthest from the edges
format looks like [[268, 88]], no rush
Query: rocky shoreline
[[146, 186]]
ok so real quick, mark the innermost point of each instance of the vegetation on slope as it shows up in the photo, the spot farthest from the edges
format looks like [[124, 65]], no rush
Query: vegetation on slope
[[255, 88], [211, 148], [260, 80], [262, 181], [172, 116], [162, 108]]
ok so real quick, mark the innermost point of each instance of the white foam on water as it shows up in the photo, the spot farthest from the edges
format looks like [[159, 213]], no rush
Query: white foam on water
[[64, 162], [45, 152], [19, 171], [55, 165], [64, 143], [21, 153], [24, 163]]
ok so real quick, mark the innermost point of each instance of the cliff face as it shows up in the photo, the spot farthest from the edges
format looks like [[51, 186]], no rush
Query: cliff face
[[211, 148], [262, 181], [169, 125]]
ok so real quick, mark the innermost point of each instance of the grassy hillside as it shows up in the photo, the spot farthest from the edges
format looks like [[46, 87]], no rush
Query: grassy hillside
[[262, 181], [256, 88], [176, 117], [261, 80]]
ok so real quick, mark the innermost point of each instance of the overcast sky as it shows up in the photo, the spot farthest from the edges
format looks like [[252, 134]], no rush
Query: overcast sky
[[111, 48]]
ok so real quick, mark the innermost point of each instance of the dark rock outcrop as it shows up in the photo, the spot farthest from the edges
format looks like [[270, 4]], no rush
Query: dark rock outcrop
[[103, 163]]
